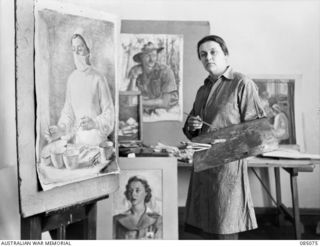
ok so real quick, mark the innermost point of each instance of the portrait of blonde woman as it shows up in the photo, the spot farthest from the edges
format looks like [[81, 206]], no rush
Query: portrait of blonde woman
[[139, 221]]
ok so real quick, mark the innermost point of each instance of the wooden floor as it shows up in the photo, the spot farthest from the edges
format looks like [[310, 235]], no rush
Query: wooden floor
[[267, 229]]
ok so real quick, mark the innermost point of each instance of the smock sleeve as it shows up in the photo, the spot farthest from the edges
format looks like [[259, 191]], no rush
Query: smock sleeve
[[249, 102], [194, 112], [189, 133]]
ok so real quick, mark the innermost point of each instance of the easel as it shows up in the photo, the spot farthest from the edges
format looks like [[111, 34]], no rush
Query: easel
[[75, 222], [69, 211]]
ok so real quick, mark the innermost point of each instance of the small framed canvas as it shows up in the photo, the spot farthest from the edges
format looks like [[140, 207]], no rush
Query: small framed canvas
[[145, 205], [277, 96], [130, 113]]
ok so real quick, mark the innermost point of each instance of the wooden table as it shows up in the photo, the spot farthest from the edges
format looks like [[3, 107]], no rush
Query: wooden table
[[293, 167]]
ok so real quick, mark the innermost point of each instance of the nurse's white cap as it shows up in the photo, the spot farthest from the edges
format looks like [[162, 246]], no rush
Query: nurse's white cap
[[85, 35]]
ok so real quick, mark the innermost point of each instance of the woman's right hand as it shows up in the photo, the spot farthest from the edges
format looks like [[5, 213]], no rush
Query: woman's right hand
[[53, 133], [195, 123]]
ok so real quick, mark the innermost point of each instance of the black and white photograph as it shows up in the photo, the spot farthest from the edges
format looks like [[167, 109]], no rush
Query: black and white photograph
[[160, 122]]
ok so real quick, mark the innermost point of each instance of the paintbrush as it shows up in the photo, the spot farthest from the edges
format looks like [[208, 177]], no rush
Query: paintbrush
[[199, 120], [197, 144]]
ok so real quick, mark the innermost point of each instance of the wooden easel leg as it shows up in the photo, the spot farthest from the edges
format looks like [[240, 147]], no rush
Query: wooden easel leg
[[295, 203], [318, 228], [90, 223], [278, 195], [61, 232], [86, 228], [31, 228]]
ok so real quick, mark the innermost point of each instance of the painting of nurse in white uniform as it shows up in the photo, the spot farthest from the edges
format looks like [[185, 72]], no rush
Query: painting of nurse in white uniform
[[75, 77], [87, 116]]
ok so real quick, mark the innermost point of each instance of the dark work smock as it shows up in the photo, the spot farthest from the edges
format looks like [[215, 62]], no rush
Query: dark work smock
[[219, 199]]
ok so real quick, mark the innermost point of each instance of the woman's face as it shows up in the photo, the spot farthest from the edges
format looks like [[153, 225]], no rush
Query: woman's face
[[79, 47], [212, 57], [137, 193]]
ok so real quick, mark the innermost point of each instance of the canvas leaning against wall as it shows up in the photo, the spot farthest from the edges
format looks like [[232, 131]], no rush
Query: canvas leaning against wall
[[130, 113], [75, 78], [145, 204], [277, 96], [152, 64], [139, 191]]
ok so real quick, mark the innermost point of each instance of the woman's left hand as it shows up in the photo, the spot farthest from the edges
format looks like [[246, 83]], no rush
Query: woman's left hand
[[87, 123]]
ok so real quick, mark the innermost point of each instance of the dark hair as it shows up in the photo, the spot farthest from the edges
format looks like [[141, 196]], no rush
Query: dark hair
[[144, 183], [216, 39], [76, 35]]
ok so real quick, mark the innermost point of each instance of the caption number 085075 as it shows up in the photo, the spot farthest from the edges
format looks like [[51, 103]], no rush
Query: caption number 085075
[[309, 242]]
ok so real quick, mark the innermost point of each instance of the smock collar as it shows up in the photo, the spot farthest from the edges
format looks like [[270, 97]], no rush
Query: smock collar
[[228, 74]]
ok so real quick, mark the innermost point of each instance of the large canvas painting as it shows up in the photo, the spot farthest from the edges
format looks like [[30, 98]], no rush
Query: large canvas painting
[[277, 95], [75, 78], [152, 64]]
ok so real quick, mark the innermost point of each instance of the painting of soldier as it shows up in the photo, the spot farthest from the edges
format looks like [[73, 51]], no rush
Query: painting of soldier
[[152, 65]]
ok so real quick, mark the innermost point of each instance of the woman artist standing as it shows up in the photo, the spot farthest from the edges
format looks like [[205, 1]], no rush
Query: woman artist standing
[[219, 200]]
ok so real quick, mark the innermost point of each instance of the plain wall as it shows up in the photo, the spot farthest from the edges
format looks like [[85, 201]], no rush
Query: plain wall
[[264, 37], [9, 209], [7, 95]]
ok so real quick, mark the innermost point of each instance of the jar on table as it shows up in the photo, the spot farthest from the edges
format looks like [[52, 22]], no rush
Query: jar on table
[[106, 150]]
